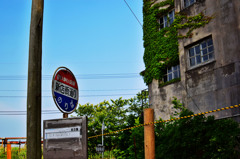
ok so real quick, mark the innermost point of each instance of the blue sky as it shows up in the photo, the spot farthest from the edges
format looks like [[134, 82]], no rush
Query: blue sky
[[99, 41]]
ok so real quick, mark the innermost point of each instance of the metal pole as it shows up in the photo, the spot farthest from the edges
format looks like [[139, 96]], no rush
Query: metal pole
[[34, 82], [5, 141], [9, 153], [102, 139], [149, 135], [19, 146]]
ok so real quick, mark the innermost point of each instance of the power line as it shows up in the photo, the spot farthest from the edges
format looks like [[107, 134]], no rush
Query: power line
[[78, 76], [133, 13], [26, 113], [144, 32], [20, 112], [93, 90], [102, 95], [190, 97]]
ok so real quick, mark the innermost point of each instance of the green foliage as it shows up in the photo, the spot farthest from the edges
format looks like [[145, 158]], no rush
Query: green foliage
[[137, 137], [2, 154], [199, 137], [169, 82], [117, 114], [191, 23], [107, 154], [161, 46]]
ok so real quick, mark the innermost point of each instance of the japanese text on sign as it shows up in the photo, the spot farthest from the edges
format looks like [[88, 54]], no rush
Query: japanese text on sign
[[58, 133], [59, 77], [65, 90]]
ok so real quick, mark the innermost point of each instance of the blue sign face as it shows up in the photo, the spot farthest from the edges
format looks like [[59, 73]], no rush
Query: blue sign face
[[65, 91], [66, 104]]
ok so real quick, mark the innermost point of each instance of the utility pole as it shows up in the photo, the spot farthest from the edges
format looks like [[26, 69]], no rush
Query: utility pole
[[149, 135], [34, 105]]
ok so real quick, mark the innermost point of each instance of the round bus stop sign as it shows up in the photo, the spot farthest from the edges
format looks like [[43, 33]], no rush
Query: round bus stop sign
[[65, 90]]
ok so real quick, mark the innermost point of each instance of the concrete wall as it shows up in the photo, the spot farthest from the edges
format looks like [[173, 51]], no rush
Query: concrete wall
[[160, 99], [212, 85]]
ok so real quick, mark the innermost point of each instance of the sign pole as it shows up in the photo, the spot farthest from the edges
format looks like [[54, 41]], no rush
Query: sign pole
[[102, 138], [65, 115], [34, 82]]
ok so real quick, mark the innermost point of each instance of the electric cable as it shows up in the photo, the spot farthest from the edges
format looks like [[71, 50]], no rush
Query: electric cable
[[78, 76], [102, 95], [190, 97], [133, 13], [93, 90]]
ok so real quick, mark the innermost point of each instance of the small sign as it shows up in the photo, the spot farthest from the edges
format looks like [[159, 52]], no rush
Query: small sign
[[100, 148], [65, 90]]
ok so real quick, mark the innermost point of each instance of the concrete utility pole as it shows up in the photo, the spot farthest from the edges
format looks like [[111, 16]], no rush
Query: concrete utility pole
[[34, 105]]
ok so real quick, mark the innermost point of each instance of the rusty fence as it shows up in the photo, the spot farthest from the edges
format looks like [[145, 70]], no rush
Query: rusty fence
[[7, 150]]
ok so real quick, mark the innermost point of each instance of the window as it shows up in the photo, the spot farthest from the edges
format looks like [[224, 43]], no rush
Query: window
[[201, 52], [187, 3], [166, 20], [172, 73]]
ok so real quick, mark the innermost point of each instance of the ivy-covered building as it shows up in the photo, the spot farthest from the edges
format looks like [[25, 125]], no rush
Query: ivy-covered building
[[192, 52]]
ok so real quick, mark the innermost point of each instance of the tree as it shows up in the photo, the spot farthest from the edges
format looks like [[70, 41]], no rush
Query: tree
[[117, 114], [193, 138]]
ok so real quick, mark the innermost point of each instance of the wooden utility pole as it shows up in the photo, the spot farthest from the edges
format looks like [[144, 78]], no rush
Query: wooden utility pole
[[149, 135], [34, 104]]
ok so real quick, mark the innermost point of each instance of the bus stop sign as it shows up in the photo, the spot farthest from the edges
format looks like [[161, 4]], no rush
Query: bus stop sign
[[65, 90]]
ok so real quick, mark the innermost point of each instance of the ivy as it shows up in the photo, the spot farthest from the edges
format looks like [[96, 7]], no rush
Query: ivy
[[169, 82], [161, 46], [192, 22]]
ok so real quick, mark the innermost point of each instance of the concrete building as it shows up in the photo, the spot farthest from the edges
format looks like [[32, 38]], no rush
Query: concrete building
[[209, 62]]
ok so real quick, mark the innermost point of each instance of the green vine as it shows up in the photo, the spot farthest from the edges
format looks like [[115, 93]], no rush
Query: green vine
[[169, 82], [192, 23], [161, 46]]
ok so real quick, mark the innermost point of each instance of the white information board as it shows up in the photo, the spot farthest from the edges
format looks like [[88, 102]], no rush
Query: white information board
[[66, 132], [65, 138]]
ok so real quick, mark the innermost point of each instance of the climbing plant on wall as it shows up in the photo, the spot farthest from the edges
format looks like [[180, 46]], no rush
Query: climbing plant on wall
[[161, 45]]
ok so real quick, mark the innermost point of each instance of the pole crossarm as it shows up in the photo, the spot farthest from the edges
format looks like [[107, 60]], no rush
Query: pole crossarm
[[163, 121]]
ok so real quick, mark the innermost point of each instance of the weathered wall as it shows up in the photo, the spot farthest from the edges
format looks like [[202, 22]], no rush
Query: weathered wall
[[160, 99], [212, 85]]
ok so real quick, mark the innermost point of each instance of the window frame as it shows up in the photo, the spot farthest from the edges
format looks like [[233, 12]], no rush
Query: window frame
[[206, 53], [189, 2], [171, 71], [166, 19]]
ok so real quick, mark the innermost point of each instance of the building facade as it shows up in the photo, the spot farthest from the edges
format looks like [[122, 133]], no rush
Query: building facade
[[208, 71]]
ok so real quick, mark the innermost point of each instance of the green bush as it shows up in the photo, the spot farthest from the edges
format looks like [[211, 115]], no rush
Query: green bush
[[199, 137]]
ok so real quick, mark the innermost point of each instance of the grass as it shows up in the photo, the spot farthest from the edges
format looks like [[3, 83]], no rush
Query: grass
[[15, 153]]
